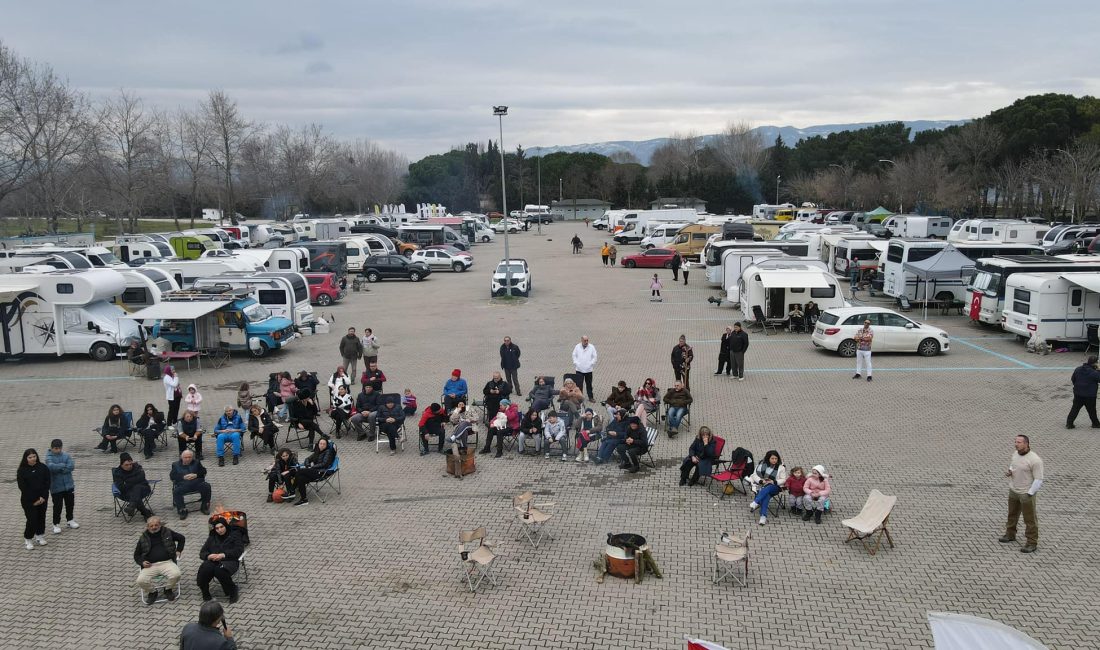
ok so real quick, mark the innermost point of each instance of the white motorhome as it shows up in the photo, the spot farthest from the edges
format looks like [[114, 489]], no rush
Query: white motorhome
[[363, 245], [185, 272], [914, 226], [1052, 306], [997, 230], [305, 230], [897, 282], [808, 212], [776, 286], [292, 258], [734, 263], [864, 251], [13, 260], [768, 211], [259, 233], [1070, 234], [283, 294], [986, 289], [132, 251], [144, 287], [713, 256], [661, 234], [636, 223], [64, 312], [482, 231]]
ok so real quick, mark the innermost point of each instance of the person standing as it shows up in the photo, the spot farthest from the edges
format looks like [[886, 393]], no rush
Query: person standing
[[577, 245], [33, 478], [351, 350], [1025, 477], [210, 633], [1085, 378], [676, 263], [172, 394], [853, 279], [62, 488], [724, 353], [685, 268], [370, 348], [655, 289], [682, 356], [584, 362], [605, 253], [739, 344], [864, 338], [613, 253], [509, 363]]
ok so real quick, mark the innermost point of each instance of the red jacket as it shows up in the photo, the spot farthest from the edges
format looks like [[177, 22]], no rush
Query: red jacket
[[429, 414], [796, 484]]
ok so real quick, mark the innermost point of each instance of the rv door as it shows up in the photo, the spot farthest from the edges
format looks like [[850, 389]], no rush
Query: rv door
[[1075, 313]]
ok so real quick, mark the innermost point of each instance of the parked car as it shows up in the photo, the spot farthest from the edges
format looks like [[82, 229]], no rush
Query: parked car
[[876, 229], [521, 278], [450, 249], [654, 258], [835, 330], [441, 259], [535, 218], [600, 224], [380, 267], [324, 289], [511, 225]]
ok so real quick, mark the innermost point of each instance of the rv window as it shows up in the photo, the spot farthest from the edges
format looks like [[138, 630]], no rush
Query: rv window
[[823, 292], [135, 296], [918, 254], [353, 252], [1021, 307], [1075, 298], [1021, 294], [797, 290], [65, 288], [272, 297], [1012, 234], [194, 246], [700, 235], [987, 231], [894, 253], [284, 264]]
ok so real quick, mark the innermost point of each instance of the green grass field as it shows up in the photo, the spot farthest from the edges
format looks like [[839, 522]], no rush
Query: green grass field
[[16, 226]]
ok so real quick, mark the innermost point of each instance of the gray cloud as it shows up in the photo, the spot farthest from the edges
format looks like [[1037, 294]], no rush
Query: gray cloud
[[318, 67], [304, 42]]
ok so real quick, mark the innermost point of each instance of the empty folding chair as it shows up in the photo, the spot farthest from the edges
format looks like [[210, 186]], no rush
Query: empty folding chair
[[874, 518], [731, 551], [477, 561], [651, 440], [532, 520]]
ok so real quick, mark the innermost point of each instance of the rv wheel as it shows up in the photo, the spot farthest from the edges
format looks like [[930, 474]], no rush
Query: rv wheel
[[102, 352], [259, 351], [847, 348]]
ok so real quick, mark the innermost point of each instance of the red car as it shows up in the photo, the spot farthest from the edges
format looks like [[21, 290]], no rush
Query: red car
[[654, 258], [323, 288]]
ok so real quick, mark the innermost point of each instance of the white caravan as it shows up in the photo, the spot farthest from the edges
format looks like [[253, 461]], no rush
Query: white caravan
[[144, 288], [864, 251], [636, 223], [775, 286], [714, 253], [913, 226], [1052, 306], [14, 260], [768, 211], [133, 251], [64, 312], [283, 294], [259, 233], [734, 263], [997, 230], [363, 245], [325, 229], [293, 258], [986, 289], [185, 272]]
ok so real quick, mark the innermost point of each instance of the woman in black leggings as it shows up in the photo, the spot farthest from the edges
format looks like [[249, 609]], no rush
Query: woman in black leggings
[[33, 478]]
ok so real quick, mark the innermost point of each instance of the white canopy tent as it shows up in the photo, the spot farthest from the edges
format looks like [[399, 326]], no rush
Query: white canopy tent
[[948, 264], [963, 632]]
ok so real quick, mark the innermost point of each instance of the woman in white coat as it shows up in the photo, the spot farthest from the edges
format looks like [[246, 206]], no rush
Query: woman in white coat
[[172, 394]]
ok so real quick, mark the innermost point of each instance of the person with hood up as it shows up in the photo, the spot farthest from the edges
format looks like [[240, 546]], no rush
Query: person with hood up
[[172, 394], [220, 557], [33, 478], [193, 399], [132, 485], [554, 432], [229, 429], [455, 390], [351, 350], [62, 488], [431, 424], [150, 425]]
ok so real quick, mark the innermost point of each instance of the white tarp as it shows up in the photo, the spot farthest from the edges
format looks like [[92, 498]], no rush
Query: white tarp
[[1090, 281], [792, 279], [177, 310], [964, 632], [9, 290]]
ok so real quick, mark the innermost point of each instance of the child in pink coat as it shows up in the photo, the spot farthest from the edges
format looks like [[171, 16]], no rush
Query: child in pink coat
[[817, 492], [655, 289]]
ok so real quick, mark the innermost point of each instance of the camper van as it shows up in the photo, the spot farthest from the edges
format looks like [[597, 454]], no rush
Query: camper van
[[327, 256], [144, 287], [191, 247], [714, 252], [427, 234], [774, 287], [360, 247], [661, 235], [997, 230], [283, 294], [1052, 306], [14, 260], [133, 252], [63, 312], [216, 319], [734, 263], [865, 250], [768, 211], [185, 272], [690, 241], [636, 224], [218, 237], [985, 291], [291, 258]]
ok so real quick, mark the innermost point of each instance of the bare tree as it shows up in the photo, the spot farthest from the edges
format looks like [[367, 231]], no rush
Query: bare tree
[[741, 150], [17, 132], [192, 142], [230, 131], [676, 158], [970, 154], [128, 155]]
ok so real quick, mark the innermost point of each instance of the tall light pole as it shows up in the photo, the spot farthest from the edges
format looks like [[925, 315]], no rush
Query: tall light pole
[[777, 179], [1073, 186], [901, 206], [500, 112], [539, 160]]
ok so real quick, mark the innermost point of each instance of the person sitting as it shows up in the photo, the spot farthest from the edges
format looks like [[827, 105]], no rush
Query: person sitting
[[647, 399], [613, 435], [678, 399], [458, 413], [817, 489], [157, 553], [812, 313], [796, 318], [315, 467], [306, 381], [373, 376], [189, 476], [570, 399], [432, 421], [511, 410], [210, 632], [554, 431], [136, 354], [150, 425], [408, 402], [455, 390], [767, 481], [288, 392], [541, 395], [620, 398], [530, 427], [341, 411], [220, 555], [390, 419], [282, 472], [339, 378], [260, 425], [458, 438], [114, 427], [632, 446], [588, 430], [303, 414], [229, 428], [498, 428], [700, 458], [132, 485], [796, 490], [189, 433], [496, 390], [271, 397], [366, 407]]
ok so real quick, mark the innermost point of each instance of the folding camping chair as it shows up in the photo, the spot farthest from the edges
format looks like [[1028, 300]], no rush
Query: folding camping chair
[[477, 561], [127, 436], [330, 479], [684, 421], [651, 441], [532, 521], [402, 433], [728, 553], [871, 520], [761, 320], [120, 505], [732, 478]]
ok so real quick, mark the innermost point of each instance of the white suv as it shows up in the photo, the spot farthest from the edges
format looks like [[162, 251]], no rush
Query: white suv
[[521, 278], [836, 328]]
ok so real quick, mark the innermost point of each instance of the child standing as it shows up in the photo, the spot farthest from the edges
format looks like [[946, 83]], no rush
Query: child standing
[[408, 402], [796, 486], [655, 289], [193, 399]]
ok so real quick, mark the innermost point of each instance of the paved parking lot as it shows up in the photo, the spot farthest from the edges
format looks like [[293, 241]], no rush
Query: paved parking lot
[[376, 566]]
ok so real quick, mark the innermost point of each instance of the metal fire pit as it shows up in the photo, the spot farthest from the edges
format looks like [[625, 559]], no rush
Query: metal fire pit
[[620, 552]]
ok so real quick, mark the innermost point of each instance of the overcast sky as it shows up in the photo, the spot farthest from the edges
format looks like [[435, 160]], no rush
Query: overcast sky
[[421, 76]]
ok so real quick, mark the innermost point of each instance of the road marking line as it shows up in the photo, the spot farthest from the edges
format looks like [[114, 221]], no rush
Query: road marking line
[[996, 354]]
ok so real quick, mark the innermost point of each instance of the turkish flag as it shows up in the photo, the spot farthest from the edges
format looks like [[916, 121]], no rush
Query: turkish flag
[[975, 305]]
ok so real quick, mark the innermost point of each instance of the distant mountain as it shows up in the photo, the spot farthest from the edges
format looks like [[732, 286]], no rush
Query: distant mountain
[[643, 149]]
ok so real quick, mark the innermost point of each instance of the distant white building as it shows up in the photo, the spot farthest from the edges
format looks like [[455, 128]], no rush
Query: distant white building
[[699, 205], [578, 209]]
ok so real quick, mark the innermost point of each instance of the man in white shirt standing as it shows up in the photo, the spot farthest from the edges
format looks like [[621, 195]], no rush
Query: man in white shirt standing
[[1025, 477], [584, 362]]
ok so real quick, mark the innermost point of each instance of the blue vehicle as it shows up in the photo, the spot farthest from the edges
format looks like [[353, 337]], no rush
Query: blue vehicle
[[218, 320]]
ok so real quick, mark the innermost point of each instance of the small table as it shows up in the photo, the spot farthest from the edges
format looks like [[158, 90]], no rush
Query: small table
[[186, 356]]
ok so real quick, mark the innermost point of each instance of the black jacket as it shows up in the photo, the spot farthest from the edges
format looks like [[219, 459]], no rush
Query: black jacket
[[724, 346], [170, 538], [322, 459], [196, 636], [739, 341], [301, 410], [155, 423], [366, 402], [639, 436], [492, 401], [127, 480], [309, 382], [509, 356], [1085, 378], [677, 261], [385, 412], [113, 426], [34, 482], [682, 356], [264, 419], [179, 470], [230, 544]]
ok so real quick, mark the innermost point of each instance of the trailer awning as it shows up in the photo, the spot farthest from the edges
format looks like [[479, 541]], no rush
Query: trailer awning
[[177, 310], [792, 279], [1090, 281], [10, 291]]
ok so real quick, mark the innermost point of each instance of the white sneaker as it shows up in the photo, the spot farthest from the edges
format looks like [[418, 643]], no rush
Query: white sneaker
[[578, 458], [40, 539], [763, 520], [548, 454], [72, 524], [564, 457], [57, 530], [740, 379], [29, 545], [753, 506]]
